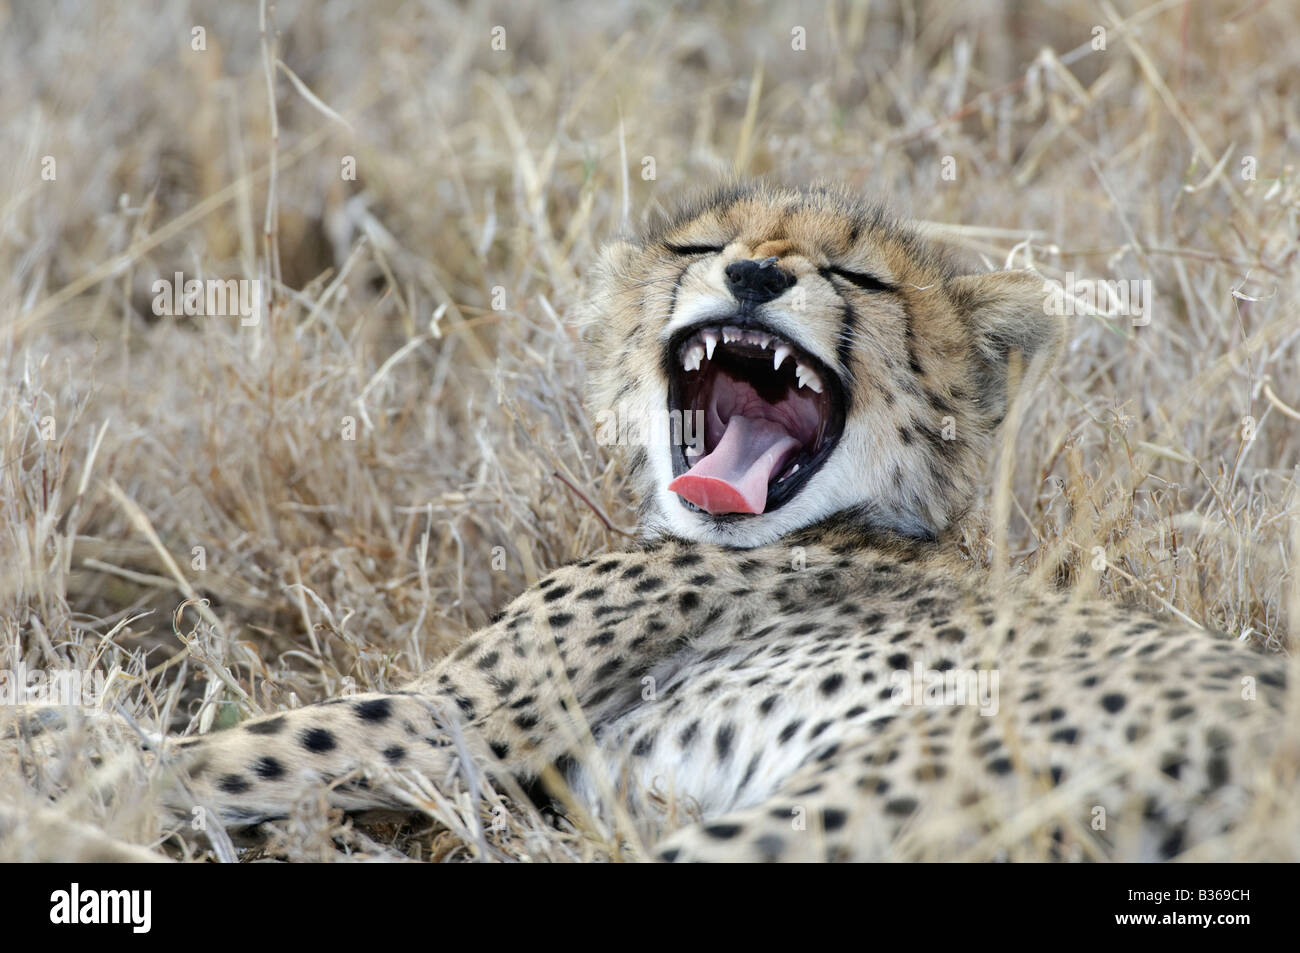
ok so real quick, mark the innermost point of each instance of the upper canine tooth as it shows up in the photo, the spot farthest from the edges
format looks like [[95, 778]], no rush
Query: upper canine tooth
[[710, 342], [779, 355]]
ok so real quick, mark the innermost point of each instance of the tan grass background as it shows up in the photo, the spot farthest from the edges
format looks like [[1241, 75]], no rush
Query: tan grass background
[[428, 301]]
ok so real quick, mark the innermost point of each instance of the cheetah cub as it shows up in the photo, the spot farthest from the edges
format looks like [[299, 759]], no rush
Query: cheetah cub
[[754, 680]]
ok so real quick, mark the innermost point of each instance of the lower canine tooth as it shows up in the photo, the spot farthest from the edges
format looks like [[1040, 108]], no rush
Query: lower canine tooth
[[808, 378]]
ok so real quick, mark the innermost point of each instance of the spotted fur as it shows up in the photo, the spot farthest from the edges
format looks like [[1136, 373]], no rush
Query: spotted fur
[[732, 684]]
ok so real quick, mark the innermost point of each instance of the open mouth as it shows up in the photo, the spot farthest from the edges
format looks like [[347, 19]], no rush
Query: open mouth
[[772, 415]]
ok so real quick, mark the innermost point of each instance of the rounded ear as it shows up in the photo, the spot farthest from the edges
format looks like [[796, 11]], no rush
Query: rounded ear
[[616, 256], [1009, 311]]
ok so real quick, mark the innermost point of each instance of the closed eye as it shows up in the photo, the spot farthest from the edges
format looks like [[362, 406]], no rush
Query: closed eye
[[861, 279], [685, 250]]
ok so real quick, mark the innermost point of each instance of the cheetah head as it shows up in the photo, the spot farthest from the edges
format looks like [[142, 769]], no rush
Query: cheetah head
[[772, 357]]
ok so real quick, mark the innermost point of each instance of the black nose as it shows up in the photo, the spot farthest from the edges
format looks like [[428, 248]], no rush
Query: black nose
[[757, 281]]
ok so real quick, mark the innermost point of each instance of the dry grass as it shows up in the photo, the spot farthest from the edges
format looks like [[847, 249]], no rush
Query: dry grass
[[127, 440]]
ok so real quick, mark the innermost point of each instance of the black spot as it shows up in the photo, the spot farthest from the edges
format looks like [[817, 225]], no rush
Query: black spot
[[898, 660], [767, 704], [1217, 769], [722, 831], [649, 584], [500, 749], [375, 710], [685, 559], [833, 818], [688, 600], [1172, 845], [1066, 735], [769, 847], [1113, 702], [1000, 766], [688, 733], [722, 741], [600, 638], [559, 619], [526, 720], [233, 783], [631, 572], [270, 726], [828, 753], [608, 669], [557, 593], [901, 806], [268, 769], [319, 740], [831, 684], [394, 753], [644, 745]]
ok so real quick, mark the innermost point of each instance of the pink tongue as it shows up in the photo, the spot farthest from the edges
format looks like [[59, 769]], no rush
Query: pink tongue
[[735, 476]]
